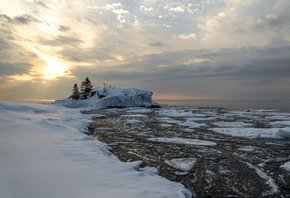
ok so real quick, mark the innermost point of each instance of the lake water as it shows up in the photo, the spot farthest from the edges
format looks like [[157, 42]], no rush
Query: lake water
[[283, 106]]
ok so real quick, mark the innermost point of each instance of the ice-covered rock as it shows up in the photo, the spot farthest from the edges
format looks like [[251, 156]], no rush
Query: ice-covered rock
[[111, 97]]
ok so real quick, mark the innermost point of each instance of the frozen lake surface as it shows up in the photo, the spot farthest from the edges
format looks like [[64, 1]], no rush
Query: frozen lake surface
[[213, 152]]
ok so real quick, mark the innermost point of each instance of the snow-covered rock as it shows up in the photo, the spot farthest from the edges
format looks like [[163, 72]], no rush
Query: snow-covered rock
[[111, 97]]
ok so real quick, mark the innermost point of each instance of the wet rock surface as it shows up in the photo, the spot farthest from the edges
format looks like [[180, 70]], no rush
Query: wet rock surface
[[233, 167]]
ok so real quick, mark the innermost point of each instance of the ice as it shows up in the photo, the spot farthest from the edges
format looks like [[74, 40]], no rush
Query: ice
[[192, 124], [202, 119], [233, 124], [279, 117], [182, 164], [255, 133], [273, 186], [134, 122], [169, 120], [114, 97], [166, 125], [135, 115], [280, 123], [177, 140], [285, 132], [247, 148], [139, 110], [171, 112], [286, 166], [187, 130], [45, 154]]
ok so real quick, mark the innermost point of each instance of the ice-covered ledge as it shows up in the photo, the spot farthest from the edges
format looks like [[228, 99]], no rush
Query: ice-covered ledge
[[112, 97]]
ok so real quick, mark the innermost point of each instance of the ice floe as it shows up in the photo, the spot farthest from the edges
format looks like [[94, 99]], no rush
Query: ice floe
[[286, 166], [233, 124], [134, 122], [182, 164], [194, 125], [285, 132], [177, 140], [254, 133]]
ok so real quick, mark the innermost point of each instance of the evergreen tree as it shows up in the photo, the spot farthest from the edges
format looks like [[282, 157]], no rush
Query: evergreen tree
[[76, 93], [87, 86]]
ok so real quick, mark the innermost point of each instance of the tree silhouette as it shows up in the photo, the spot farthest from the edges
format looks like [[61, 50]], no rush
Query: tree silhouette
[[86, 88], [76, 93]]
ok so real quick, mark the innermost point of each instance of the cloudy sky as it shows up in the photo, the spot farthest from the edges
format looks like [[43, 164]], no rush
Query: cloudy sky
[[188, 49]]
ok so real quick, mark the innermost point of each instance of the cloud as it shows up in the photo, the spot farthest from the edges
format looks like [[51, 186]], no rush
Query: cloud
[[63, 28], [120, 11], [176, 9], [157, 44], [186, 36], [145, 8]]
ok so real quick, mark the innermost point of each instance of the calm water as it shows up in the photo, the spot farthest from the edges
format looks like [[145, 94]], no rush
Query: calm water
[[283, 106]]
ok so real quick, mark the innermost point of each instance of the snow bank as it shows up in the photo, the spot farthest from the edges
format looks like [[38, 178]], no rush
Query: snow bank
[[112, 97], [44, 154]]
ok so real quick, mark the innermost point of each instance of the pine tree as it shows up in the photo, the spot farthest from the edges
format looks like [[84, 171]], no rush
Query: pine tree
[[76, 93], [87, 86]]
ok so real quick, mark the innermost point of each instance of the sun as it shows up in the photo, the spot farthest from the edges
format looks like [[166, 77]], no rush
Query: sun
[[54, 68]]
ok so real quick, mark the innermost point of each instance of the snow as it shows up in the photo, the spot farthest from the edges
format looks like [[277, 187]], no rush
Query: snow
[[182, 164], [177, 140], [114, 97], [45, 154], [286, 166]]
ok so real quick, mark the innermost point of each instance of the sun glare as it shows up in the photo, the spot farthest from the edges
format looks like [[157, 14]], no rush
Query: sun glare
[[54, 68]]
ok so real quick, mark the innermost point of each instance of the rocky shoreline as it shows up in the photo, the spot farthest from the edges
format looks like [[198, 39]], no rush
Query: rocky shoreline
[[231, 167]]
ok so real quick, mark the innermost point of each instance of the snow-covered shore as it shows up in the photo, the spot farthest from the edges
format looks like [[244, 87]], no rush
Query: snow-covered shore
[[44, 154]]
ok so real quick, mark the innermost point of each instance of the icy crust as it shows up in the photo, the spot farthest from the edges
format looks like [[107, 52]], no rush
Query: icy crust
[[45, 154], [112, 97]]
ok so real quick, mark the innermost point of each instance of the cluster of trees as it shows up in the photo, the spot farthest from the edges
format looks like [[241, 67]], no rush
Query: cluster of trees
[[85, 92]]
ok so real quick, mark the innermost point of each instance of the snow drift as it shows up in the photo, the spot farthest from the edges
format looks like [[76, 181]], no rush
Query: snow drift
[[45, 154], [112, 97]]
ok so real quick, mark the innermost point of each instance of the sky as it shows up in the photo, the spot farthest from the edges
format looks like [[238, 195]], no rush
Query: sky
[[188, 49]]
